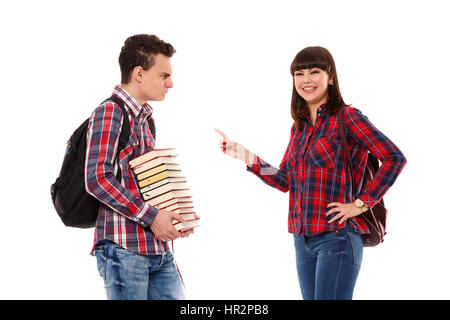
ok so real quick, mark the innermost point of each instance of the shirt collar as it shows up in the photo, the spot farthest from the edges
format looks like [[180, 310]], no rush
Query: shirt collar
[[304, 114], [132, 103]]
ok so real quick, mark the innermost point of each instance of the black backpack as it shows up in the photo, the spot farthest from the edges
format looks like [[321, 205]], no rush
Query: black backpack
[[74, 205]]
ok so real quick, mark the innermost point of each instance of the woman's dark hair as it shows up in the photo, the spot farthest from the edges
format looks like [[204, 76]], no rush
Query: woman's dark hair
[[308, 58], [140, 50]]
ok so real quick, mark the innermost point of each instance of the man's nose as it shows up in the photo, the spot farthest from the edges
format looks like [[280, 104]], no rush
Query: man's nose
[[169, 83]]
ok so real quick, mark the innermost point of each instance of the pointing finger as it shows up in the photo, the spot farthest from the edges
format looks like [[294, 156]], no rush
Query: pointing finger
[[224, 136]]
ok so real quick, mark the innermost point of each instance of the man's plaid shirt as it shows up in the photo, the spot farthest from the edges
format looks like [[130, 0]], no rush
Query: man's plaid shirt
[[124, 217]]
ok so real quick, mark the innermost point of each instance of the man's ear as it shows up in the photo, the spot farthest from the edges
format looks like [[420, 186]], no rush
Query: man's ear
[[136, 74]]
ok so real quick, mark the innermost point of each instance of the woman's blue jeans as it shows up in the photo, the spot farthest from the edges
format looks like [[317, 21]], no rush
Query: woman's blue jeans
[[131, 276], [328, 264]]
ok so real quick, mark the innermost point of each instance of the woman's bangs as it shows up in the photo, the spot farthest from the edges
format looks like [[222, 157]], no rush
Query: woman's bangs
[[311, 57], [308, 65]]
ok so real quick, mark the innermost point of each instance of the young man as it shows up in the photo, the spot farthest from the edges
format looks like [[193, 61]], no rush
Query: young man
[[133, 256]]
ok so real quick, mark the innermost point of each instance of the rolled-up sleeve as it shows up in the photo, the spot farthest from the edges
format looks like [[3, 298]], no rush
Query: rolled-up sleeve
[[272, 176]]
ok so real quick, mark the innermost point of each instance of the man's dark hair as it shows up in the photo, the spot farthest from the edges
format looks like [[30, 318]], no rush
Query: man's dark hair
[[140, 50]]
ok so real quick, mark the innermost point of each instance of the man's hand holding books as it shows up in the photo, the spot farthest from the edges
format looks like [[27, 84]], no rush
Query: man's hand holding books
[[163, 229]]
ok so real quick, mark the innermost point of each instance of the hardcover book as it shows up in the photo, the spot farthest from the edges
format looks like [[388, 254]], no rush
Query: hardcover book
[[162, 185], [172, 180], [154, 163], [186, 225], [151, 172], [153, 154]]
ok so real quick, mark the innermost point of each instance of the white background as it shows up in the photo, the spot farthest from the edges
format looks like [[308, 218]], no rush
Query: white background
[[58, 61]]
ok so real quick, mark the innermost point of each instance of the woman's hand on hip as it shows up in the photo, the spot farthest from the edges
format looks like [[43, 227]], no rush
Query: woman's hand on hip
[[344, 211]]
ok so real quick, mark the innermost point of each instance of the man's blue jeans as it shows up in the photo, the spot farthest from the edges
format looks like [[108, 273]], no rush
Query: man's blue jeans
[[131, 276], [328, 264]]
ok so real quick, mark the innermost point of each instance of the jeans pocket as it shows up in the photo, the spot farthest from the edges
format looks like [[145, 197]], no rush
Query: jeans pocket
[[357, 248], [102, 260]]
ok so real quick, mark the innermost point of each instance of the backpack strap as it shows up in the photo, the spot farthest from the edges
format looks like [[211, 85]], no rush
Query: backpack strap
[[151, 126], [346, 147], [124, 132]]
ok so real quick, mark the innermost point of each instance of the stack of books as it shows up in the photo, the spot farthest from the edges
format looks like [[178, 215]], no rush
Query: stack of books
[[162, 185]]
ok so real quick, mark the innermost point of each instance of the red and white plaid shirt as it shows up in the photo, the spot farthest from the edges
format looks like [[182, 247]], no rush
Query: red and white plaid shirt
[[124, 217], [313, 170]]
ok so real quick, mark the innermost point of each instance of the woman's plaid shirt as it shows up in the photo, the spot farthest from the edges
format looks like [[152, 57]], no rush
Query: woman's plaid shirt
[[124, 217], [313, 171]]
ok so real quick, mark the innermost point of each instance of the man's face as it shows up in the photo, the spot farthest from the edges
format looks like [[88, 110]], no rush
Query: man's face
[[156, 81]]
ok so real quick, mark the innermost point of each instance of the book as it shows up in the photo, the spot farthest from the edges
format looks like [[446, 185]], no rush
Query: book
[[186, 217], [163, 189], [162, 185], [154, 163], [178, 205], [170, 202], [189, 222], [183, 211], [160, 176], [182, 226], [158, 169], [169, 180], [159, 198], [155, 153]]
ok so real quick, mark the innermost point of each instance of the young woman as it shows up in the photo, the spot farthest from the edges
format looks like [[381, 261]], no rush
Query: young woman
[[324, 211]]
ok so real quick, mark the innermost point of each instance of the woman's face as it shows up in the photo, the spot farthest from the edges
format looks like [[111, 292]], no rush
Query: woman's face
[[312, 85]]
